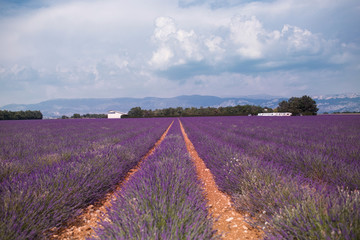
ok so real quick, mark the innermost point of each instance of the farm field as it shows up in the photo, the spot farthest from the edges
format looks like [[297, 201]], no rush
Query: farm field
[[293, 177], [51, 170], [163, 200], [299, 177]]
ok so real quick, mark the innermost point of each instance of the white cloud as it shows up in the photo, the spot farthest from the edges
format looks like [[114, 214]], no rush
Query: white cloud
[[161, 57], [165, 27], [214, 44], [300, 39], [245, 34], [175, 45], [215, 48], [188, 42], [241, 38], [253, 41]]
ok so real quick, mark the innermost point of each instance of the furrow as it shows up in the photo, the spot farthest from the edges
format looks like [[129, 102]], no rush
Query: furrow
[[83, 226], [230, 223]]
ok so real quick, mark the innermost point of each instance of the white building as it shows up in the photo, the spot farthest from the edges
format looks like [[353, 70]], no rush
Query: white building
[[276, 114], [115, 114]]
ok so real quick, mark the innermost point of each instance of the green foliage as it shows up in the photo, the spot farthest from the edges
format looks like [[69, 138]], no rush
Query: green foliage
[[76, 115], [94, 115], [238, 110], [136, 112], [20, 115], [88, 115], [299, 106]]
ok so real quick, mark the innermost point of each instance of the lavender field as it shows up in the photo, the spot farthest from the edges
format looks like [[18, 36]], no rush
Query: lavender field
[[50, 170], [163, 200], [297, 177]]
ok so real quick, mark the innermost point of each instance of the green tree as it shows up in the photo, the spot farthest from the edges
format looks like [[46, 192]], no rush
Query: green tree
[[283, 106], [308, 106], [136, 112], [299, 106]]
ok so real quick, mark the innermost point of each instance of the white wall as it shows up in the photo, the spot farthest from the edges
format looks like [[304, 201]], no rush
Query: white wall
[[278, 114], [114, 115]]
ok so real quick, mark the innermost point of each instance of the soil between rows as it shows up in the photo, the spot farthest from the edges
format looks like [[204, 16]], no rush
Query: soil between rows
[[83, 226], [230, 224]]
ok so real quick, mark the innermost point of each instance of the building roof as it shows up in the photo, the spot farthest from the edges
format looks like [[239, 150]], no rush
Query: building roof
[[113, 111]]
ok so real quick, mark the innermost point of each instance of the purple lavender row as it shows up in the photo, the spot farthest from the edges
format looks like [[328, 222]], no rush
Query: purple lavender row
[[333, 136], [59, 167], [300, 153], [30, 145], [286, 205], [162, 200]]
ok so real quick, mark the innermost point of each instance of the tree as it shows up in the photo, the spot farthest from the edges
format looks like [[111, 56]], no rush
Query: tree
[[283, 106], [76, 115], [136, 112], [308, 106], [294, 106], [299, 106]]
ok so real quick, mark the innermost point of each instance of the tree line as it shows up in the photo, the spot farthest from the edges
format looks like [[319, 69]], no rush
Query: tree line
[[239, 110], [20, 115], [304, 105], [87, 115]]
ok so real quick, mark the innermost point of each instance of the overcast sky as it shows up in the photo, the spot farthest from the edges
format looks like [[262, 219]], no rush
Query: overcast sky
[[165, 48]]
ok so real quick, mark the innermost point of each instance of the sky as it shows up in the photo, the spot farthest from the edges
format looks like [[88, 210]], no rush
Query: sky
[[165, 48]]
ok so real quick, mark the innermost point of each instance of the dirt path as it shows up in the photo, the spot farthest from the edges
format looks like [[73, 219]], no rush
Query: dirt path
[[82, 227], [231, 224]]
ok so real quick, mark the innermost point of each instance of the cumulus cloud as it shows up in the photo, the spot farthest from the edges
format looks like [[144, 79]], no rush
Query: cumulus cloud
[[242, 45], [246, 34], [176, 45], [300, 40], [214, 44], [165, 27], [161, 57]]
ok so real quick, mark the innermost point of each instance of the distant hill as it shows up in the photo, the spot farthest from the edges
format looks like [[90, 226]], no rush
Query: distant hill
[[338, 103], [59, 107]]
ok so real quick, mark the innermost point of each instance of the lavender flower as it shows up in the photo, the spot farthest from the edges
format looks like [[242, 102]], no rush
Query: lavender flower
[[298, 176], [162, 200], [50, 170]]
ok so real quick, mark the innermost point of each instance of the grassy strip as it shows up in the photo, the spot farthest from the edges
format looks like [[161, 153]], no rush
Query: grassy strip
[[163, 199]]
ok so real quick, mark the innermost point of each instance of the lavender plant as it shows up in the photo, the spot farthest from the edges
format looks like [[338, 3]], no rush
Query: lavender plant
[[266, 166], [163, 200], [297, 144], [59, 167]]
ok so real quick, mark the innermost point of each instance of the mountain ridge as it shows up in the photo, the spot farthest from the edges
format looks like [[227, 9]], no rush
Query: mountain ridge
[[62, 106]]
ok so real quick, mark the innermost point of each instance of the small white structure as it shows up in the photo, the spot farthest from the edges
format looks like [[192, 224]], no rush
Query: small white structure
[[115, 114], [275, 114]]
